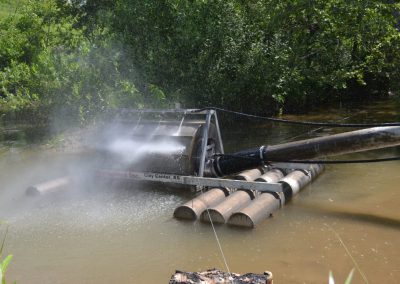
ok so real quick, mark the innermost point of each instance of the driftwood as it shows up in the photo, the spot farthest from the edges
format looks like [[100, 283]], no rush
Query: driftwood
[[215, 276]]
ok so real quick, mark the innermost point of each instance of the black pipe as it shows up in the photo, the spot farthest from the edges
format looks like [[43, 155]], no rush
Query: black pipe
[[237, 162], [344, 143]]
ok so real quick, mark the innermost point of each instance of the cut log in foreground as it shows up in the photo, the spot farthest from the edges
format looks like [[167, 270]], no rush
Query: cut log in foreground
[[215, 276]]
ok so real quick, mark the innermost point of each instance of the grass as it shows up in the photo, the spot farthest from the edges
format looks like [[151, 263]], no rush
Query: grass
[[5, 262], [351, 257], [347, 281]]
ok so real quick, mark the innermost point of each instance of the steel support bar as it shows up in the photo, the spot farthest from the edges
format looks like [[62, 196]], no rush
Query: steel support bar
[[204, 143], [218, 132], [193, 180]]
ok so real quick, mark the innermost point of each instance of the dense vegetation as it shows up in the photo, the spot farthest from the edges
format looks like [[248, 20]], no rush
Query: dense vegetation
[[80, 57]]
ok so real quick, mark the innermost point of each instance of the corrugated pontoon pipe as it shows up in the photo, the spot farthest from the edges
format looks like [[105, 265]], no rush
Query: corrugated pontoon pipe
[[273, 175], [237, 200], [297, 179], [192, 209], [249, 175], [261, 207]]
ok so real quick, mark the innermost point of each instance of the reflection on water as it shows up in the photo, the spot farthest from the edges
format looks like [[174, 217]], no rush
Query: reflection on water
[[102, 233]]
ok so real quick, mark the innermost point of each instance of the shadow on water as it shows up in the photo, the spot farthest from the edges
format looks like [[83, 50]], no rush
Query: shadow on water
[[342, 213]]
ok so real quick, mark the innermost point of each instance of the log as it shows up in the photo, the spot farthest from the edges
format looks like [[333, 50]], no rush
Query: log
[[215, 276]]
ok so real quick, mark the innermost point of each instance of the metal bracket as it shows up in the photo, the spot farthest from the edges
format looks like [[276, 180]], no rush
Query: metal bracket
[[209, 115]]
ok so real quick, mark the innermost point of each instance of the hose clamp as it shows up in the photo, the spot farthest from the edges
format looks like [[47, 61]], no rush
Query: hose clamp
[[261, 156]]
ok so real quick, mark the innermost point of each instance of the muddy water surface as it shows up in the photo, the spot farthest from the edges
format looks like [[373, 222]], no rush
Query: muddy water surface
[[101, 233]]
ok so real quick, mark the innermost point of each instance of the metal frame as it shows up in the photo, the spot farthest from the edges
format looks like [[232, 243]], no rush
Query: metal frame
[[192, 180], [200, 181], [204, 181], [209, 115]]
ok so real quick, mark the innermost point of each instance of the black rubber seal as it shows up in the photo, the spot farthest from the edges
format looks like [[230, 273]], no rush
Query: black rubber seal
[[287, 191]]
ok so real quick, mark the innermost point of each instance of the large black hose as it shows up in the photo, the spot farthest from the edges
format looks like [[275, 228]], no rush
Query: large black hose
[[344, 143]]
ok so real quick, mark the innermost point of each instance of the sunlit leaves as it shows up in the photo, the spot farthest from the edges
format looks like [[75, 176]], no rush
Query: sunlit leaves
[[241, 53], [251, 55], [51, 64]]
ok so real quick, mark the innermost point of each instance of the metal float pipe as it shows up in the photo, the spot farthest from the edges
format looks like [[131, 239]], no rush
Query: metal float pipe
[[337, 144], [240, 198], [192, 209], [266, 203], [261, 207], [249, 175], [222, 211], [271, 176]]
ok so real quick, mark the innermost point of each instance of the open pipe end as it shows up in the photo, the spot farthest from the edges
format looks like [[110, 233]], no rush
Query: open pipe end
[[32, 191], [242, 220], [185, 212], [215, 216]]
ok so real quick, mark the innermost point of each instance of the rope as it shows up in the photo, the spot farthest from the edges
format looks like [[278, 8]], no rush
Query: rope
[[217, 239], [355, 161], [219, 243], [327, 124]]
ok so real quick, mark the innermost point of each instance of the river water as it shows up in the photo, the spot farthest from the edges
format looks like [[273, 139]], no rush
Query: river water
[[99, 233]]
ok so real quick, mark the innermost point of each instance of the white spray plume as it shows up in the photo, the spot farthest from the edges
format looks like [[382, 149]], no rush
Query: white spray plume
[[132, 151]]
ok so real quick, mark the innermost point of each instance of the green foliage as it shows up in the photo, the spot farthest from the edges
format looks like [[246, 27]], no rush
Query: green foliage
[[5, 262], [87, 81], [347, 281], [3, 268], [255, 54], [78, 58], [7, 7], [48, 64]]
